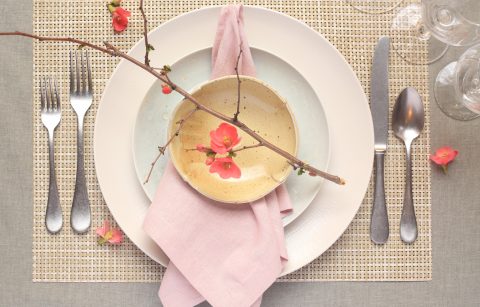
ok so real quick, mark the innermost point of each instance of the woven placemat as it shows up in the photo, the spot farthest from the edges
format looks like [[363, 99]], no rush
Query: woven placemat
[[71, 257]]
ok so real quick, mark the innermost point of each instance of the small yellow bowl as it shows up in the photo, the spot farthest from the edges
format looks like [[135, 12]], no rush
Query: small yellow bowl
[[261, 109]]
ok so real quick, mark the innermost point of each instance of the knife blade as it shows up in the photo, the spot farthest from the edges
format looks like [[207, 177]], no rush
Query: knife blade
[[379, 102]]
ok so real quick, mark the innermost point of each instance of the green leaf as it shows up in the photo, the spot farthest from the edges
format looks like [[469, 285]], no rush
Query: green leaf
[[111, 7], [301, 171], [150, 48], [166, 68]]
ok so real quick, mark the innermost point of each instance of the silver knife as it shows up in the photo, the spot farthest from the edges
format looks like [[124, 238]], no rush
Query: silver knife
[[379, 106]]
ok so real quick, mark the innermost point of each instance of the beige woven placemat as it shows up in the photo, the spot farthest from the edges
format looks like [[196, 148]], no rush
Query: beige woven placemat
[[70, 257]]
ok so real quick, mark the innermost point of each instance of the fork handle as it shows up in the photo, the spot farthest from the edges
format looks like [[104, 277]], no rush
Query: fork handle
[[80, 216], [53, 216]]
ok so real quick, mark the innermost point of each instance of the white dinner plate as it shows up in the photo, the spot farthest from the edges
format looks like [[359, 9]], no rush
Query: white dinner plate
[[334, 82], [153, 120]]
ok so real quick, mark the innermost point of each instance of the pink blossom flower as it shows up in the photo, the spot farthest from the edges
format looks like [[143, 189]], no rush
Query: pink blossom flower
[[209, 160], [120, 19], [225, 167], [443, 156], [224, 138], [107, 234]]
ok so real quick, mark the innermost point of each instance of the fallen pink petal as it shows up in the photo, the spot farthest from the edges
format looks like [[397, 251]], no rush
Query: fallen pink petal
[[444, 156], [117, 236], [103, 230], [108, 234]]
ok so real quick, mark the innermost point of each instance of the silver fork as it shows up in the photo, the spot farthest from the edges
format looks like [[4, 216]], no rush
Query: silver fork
[[51, 114], [81, 98]]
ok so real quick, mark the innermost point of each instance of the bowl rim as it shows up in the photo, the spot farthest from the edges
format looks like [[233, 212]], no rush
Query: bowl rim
[[198, 88]]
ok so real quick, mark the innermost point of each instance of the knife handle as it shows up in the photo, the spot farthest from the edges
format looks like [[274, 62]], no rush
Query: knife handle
[[379, 221]]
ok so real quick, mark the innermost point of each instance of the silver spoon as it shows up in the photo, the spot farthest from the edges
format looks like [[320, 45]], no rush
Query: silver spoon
[[407, 124]]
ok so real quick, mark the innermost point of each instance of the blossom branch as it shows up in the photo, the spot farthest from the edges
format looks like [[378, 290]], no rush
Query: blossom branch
[[291, 158], [148, 47], [161, 149], [239, 82], [113, 51]]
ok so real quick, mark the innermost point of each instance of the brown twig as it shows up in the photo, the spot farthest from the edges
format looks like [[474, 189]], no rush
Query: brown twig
[[233, 151], [59, 39], [161, 149], [247, 147], [148, 47], [113, 51], [169, 81], [239, 82]]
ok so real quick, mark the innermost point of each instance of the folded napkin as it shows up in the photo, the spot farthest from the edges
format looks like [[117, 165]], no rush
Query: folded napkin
[[227, 255], [226, 47]]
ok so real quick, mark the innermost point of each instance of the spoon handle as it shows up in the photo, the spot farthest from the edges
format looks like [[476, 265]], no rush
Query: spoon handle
[[379, 220], [408, 221]]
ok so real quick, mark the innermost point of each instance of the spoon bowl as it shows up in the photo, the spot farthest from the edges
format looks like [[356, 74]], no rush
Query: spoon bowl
[[408, 119]]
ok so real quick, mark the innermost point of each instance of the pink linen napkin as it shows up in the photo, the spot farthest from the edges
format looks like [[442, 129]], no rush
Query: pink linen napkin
[[227, 255]]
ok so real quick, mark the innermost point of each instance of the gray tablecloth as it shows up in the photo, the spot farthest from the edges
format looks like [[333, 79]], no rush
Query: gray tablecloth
[[455, 199]]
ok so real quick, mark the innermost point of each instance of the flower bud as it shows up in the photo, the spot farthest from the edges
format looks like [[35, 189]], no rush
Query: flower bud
[[202, 148], [166, 89]]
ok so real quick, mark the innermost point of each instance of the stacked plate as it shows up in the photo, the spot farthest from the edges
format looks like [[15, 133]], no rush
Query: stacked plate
[[331, 111]]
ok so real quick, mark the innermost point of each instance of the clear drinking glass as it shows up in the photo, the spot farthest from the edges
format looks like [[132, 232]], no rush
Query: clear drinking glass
[[375, 6], [457, 87], [439, 23]]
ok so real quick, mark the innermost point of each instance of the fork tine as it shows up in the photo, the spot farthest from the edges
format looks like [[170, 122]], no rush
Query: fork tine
[[72, 74], [84, 75], [89, 72], [47, 95], [42, 96], [78, 72], [53, 103], [57, 96]]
